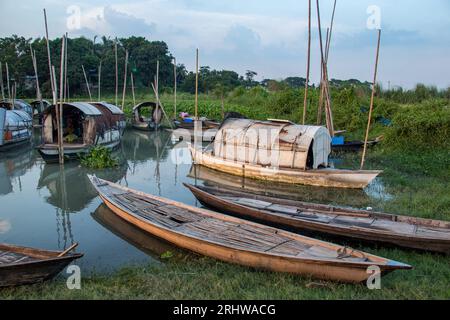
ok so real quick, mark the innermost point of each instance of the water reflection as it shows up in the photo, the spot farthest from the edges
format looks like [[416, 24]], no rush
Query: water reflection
[[340, 196], [141, 240], [13, 165]]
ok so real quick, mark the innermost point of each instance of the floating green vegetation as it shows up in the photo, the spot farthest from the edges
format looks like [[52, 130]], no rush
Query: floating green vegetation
[[99, 158]]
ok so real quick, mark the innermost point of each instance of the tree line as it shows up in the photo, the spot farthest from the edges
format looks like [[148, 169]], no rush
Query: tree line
[[143, 57]]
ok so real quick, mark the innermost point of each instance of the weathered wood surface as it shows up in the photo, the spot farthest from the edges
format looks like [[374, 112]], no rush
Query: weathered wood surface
[[22, 265], [318, 177], [404, 231], [238, 241]]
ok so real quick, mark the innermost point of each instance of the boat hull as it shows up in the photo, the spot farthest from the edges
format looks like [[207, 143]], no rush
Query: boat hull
[[356, 179], [318, 268], [50, 152], [370, 235]]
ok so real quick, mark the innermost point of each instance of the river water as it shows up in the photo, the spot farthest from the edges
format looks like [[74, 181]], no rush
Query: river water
[[48, 206]]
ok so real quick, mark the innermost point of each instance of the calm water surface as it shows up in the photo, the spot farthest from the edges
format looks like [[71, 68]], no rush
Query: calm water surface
[[46, 206]]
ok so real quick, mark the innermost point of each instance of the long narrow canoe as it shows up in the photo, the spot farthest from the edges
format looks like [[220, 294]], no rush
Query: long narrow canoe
[[239, 241], [22, 265], [404, 231], [326, 177]]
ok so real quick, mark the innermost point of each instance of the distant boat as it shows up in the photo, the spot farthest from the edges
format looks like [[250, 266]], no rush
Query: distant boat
[[38, 110], [239, 241], [185, 130], [147, 123], [22, 265], [338, 143], [403, 231], [16, 127], [19, 105], [280, 151], [85, 124]]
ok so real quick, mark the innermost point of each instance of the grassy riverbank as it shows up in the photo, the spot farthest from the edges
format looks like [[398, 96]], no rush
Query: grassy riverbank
[[415, 160]]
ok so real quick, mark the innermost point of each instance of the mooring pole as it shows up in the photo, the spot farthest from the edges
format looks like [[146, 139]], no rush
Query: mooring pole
[[175, 88], [117, 72], [87, 83], [52, 78], [305, 100], [61, 97], [125, 80], [1, 82], [372, 97], [99, 81], [7, 81]]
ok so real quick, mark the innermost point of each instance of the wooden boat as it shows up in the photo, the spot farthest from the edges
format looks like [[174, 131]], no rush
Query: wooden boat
[[16, 128], [186, 130], [236, 240], [353, 145], [38, 111], [277, 151], [92, 124], [22, 265], [140, 122], [404, 231]]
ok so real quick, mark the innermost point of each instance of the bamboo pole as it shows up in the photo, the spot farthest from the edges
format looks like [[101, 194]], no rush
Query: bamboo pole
[[157, 86], [65, 69], [175, 88], [323, 83], [87, 83], [196, 86], [160, 103], [132, 89], [125, 80], [33, 60], [58, 122], [325, 73], [371, 100], [1, 82], [61, 97], [7, 81], [331, 31], [50, 66], [305, 100], [99, 81], [117, 73]]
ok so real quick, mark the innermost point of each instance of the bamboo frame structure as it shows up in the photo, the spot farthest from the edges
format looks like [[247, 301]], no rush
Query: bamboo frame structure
[[125, 80], [87, 83], [156, 86], [305, 100], [371, 100], [328, 112]]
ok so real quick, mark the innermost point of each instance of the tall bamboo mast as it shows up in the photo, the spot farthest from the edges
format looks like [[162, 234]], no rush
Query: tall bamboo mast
[[157, 86], [65, 69], [33, 60], [196, 86], [100, 81], [325, 73], [1, 82], [7, 80], [305, 100], [125, 79], [175, 87], [132, 89], [61, 97], [117, 72], [87, 83], [52, 78], [371, 100]]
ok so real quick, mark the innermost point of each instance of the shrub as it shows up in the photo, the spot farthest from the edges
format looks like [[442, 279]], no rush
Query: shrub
[[99, 158]]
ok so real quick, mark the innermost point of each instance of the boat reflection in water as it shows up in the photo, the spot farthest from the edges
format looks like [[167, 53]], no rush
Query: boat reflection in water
[[143, 241], [13, 165], [348, 197]]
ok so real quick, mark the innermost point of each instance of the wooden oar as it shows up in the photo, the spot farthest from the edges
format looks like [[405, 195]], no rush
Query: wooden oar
[[62, 254]]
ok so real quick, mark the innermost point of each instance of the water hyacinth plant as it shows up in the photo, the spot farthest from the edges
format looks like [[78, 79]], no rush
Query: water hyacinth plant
[[99, 157]]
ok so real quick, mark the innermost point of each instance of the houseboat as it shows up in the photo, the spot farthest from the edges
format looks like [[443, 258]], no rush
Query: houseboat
[[141, 121], [15, 128], [85, 124]]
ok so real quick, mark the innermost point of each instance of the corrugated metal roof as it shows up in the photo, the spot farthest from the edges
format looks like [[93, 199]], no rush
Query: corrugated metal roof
[[84, 107], [114, 109], [287, 144]]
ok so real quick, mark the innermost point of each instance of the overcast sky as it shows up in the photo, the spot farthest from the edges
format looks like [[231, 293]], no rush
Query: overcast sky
[[269, 37]]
